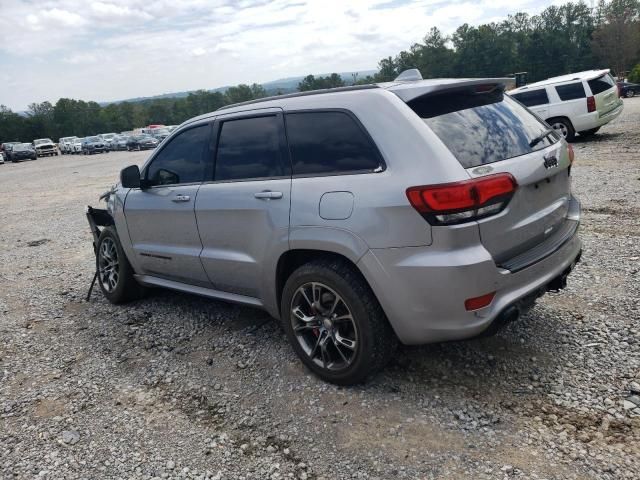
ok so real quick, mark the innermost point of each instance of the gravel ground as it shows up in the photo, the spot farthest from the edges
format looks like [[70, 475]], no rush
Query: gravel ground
[[175, 386]]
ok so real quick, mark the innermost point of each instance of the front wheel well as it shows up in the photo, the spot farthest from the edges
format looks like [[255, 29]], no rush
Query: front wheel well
[[566, 119], [293, 259]]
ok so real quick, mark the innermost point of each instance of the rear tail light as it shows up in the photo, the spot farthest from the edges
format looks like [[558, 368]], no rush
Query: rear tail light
[[477, 303], [591, 104], [453, 203], [572, 154]]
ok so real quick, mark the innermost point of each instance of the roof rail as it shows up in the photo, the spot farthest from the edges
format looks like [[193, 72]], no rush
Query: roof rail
[[301, 94], [411, 75]]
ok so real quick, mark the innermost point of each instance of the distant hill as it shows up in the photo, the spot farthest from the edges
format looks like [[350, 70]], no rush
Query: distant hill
[[274, 87]]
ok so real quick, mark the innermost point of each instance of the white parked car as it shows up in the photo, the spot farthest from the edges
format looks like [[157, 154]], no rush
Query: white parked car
[[108, 138], [76, 146], [65, 145], [576, 103]]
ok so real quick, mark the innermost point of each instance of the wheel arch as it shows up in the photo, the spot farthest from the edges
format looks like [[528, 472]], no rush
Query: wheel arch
[[560, 117], [290, 260]]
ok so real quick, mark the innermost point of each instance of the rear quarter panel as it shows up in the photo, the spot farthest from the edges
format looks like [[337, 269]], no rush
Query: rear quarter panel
[[381, 215]]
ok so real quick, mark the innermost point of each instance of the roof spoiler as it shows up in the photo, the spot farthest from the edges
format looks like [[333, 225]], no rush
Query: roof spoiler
[[410, 91]]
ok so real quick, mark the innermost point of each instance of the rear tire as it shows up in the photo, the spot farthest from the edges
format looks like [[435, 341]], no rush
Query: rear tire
[[564, 127], [335, 323], [115, 274], [630, 93]]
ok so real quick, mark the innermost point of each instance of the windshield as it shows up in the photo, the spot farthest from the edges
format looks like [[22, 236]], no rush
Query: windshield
[[40, 141], [21, 147], [482, 127], [93, 139], [108, 136]]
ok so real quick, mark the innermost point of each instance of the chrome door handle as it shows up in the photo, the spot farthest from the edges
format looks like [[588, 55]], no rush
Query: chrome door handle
[[268, 194], [181, 198]]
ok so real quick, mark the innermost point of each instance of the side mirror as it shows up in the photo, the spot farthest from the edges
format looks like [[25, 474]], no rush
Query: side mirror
[[130, 177]]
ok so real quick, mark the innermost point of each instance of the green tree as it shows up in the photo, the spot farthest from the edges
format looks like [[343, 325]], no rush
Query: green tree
[[634, 75], [617, 40]]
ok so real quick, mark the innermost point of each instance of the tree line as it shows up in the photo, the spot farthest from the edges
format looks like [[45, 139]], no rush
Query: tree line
[[561, 39]]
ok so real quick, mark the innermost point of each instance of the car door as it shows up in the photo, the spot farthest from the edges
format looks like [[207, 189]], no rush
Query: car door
[[243, 213], [160, 216]]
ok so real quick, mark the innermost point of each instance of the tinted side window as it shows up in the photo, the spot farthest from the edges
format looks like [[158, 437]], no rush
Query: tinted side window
[[601, 84], [181, 160], [570, 91], [329, 142], [532, 98], [249, 148]]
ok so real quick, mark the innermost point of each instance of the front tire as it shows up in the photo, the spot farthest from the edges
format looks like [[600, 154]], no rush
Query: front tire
[[630, 93], [115, 274], [335, 323], [564, 127]]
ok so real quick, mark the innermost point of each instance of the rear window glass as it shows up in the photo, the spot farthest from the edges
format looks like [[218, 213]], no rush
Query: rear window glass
[[570, 91], [329, 142], [249, 148], [532, 98], [601, 84], [481, 128]]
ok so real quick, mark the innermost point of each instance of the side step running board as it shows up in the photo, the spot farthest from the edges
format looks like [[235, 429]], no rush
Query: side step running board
[[151, 281]]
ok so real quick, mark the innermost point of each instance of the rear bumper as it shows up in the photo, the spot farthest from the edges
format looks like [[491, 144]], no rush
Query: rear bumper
[[422, 290], [609, 116]]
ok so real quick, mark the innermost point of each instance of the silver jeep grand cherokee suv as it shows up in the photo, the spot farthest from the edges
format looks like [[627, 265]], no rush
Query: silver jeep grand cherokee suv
[[417, 211]]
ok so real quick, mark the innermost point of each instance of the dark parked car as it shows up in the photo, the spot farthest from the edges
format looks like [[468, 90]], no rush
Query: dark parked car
[[91, 145], [160, 133], [6, 147], [119, 142], [22, 151], [142, 142], [628, 89]]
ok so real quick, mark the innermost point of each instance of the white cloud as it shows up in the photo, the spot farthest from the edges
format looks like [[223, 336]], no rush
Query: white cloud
[[198, 52], [132, 48], [81, 59], [62, 18]]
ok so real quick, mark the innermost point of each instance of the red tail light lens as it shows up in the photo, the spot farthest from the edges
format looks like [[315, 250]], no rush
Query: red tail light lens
[[452, 203], [591, 104], [479, 302], [572, 154]]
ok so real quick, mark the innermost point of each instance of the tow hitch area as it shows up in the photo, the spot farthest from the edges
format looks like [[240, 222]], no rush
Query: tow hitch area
[[560, 282], [512, 312]]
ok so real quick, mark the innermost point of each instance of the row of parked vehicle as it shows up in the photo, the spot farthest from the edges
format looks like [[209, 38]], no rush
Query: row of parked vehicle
[[140, 139], [143, 139]]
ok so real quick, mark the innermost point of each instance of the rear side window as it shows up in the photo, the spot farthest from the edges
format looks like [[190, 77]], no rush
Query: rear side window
[[249, 148], [571, 91], [601, 84], [532, 98], [181, 160], [329, 142], [480, 128]]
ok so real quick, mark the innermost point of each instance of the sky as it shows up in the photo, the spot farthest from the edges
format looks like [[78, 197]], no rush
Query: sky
[[117, 49]]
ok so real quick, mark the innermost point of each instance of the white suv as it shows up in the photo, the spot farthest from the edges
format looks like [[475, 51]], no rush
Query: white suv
[[576, 103]]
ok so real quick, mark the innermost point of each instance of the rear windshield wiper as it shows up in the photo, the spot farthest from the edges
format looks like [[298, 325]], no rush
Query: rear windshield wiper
[[541, 137]]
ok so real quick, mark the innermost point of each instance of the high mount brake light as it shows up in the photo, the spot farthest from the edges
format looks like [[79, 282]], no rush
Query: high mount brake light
[[453, 203]]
